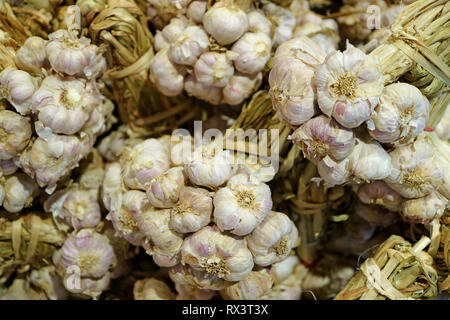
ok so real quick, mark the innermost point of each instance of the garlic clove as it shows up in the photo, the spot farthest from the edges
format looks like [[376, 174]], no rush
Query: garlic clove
[[164, 190]]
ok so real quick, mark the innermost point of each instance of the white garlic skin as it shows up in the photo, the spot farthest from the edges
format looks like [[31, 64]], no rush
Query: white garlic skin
[[19, 87], [416, 172], [188, 276], [144, 162], [254, 52], [280, 271], [284, 21], [164, 190], [209, 166], [322, 136], [197, 89], [188, 46], [226, 22], [443, 127], [81, 210], [180, 149], [334, 172], [257, 22], [217, 254], [65, 105], [425, 209], [302, 49], [196, 11], [192, 211], [152, 289], [164, 37], [31, 56], [213, 69], [167, 76], [378, 192], [401, 114], [19, 192], [240, 87], [111, 188], [349, 85], [15, 133], [253, 287], [273, 239], [376, 215], [242, 204]]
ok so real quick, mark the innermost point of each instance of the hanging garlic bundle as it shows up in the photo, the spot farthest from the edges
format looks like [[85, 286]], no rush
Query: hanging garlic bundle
[[53, 89], [208, 222]]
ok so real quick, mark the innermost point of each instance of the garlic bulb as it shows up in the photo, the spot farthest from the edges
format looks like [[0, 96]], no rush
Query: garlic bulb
[[213, 69], [170, 32], [192, 211], [216, 254], [226, 22], [180, 149], [255, 285], [322, 136], [152, 289], [197, 89], [349, 85], [112, 186], [280, 271], [20, 190], [240, 87], [257, 22], [415, 170], [302, 49], [425, 209], [188, 292], [401, 114], [253, 51], [334, 172], [144, 162], [378, 192], [242, 205], [8, 167], [160, 12], [31, 56], [196, 11], [46, 278], [376, 215], [15, 134], [64, 105], [273, 239], [188, 276], [164, 190], [283, 22], [209, 166], [90, 251], [188, 46], [443, 127], [18, 88], [167, 76]]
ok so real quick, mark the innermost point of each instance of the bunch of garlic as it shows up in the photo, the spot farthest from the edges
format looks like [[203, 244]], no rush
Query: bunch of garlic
[[195, 212], [56, 110], [218, 54]]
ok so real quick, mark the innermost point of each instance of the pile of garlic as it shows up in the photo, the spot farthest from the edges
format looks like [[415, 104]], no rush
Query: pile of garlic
[[355, 129], [205, 218], [217, 54], [54, 114]]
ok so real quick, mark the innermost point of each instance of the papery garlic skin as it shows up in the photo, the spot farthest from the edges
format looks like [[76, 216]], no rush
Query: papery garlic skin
[[209, 166], [45, 278], [378, 192], [273, 239], [196, 11], [257, 22], [8, 167], [322, 136], [349, 85], [425, 209], [280, 271], [152, 289], [376, 215], [188, 292], [443, 127], [401, 114], [164, 190], [242, 204], [19, 192], [65, 105], [188, 276], [17, 87], [197, 89], [169, 33], [144, 162], [415, 170], [334, 172], [283, 22], [254, 52], [240, 87], [255, 285], [213, 69], [302, 49], [192, 211], [31, 56], [217, 254], [90, 251], [167, 76], [111, 191], [188, 46], [180, 149], [226, 22], [15, 133]]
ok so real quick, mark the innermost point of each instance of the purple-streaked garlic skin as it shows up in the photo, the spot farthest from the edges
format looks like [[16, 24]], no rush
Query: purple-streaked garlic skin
[[401, 114], [192, 211], [240, 87], [18, 88], [322, 136], [242, 205], [90, 251], [212, 252], [378, 192], [164, 190], [273, 239], [8, 167], [213, 69], [349, 85], [31, 56], [15, 131], [19, 191], [376, 215], [425, 209], [253, 51], [144, 162], [443, 127]]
